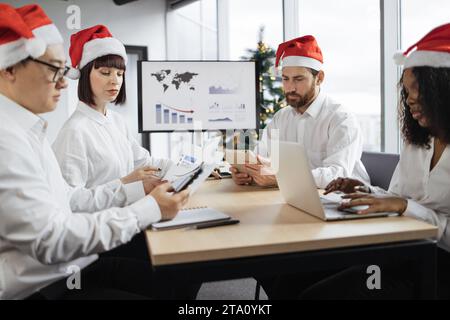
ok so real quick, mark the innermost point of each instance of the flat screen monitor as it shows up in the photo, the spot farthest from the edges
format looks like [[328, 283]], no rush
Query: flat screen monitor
[[197, 95]]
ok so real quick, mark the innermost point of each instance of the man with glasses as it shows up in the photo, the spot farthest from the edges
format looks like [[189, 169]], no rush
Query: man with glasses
[[59, 72], [49, 230], [41, 81]]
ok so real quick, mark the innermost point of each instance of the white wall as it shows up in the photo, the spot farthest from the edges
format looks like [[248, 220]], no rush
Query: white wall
[[137, 23]]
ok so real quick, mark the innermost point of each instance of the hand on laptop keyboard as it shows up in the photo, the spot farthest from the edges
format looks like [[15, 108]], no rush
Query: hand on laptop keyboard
[[332, 198]]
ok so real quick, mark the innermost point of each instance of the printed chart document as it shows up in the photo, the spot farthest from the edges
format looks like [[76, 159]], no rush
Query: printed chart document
[[208, 159]]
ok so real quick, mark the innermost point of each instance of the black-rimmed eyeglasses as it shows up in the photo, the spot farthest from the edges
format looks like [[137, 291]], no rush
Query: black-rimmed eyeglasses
[[59, 72]]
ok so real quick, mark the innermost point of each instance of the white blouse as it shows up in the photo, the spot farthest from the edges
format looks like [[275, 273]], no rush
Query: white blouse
[[93, 148], [428, 192], [330, 135]]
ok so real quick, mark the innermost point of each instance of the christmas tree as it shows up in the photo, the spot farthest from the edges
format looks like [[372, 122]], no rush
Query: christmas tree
[[270, 91]]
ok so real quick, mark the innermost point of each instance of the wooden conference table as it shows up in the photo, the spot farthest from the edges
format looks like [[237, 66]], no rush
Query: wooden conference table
[[275, 238]]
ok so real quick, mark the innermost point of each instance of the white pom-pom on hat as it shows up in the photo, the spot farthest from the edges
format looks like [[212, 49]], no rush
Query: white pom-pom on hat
[[432, 50], [90, 44], [399, 58], [73, 74]]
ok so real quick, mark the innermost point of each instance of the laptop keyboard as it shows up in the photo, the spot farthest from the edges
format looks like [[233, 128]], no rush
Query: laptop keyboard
[[330, 203]]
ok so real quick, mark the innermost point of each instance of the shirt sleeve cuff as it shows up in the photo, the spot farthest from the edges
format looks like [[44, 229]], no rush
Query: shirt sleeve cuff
[[147, 211], [134, 191], [414, 210], [417, 211]]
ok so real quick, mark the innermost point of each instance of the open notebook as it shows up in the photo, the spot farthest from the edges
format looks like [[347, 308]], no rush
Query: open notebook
[[190, 217]]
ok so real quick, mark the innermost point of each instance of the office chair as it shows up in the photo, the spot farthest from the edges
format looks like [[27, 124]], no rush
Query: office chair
[[380, 166]]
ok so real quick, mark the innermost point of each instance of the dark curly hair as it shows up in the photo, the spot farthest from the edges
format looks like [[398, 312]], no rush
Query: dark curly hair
[[434, 98]]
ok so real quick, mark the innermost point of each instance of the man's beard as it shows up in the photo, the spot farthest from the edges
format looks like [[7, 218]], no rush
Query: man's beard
[[301, 101]]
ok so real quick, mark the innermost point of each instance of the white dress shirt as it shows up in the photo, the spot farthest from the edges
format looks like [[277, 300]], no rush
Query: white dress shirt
[[428, 192], [41, 236], [330, 135], [93, 149]]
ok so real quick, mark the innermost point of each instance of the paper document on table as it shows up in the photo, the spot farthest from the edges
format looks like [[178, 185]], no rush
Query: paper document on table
[[191, 216], [189, 162], [206, 171], [185, 165]]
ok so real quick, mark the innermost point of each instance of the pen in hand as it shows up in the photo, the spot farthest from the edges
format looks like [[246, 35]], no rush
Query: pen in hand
[[216, 224]]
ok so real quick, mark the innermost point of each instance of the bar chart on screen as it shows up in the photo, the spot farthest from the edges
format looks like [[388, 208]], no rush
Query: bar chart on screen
[[166, 114], [197, 95]]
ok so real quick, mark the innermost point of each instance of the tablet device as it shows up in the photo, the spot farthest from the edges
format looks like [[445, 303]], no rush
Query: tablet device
[[183, 182]]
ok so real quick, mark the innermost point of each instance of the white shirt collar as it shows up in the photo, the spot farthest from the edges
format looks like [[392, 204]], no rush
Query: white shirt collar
[[93, 114], [315, 107], [24, 118]]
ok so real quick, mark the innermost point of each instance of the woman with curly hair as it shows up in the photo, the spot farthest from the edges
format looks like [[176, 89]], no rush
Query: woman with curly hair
[[420, 184]]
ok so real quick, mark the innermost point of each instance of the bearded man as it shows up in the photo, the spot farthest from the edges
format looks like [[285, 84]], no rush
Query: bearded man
[[329, 133]]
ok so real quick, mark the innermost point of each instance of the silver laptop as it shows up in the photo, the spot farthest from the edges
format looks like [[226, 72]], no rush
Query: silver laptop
[[298, 187]]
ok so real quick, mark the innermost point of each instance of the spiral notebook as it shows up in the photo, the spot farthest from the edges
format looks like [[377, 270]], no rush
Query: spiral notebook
[[191, 217]]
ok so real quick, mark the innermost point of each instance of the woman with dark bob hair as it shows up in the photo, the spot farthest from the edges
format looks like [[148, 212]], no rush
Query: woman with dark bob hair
[[95, 146]]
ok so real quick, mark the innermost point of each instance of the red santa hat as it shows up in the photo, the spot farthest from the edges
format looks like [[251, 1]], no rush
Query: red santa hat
[[90, 44], [433, 50], [300, 52], [17, 42], [40, 24]]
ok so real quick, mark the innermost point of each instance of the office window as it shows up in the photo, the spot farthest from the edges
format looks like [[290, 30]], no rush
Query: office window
[[244, 21], [348, 32], [419, 17], [191, 35], [192, 31]]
